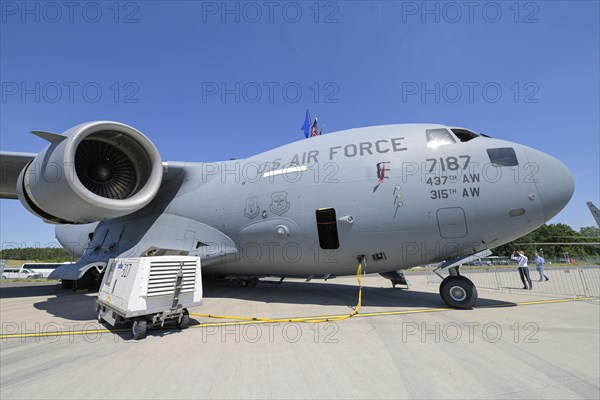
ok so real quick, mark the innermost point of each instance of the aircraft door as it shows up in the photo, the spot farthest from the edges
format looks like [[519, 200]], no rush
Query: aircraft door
[[452, 222], [327, 228]]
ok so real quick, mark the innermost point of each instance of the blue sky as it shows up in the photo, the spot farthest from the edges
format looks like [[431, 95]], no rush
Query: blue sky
[[213, 80]]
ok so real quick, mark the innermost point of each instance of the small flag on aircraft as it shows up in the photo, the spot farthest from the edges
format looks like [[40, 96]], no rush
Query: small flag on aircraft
[[315, 128], [381, 171], [306, 126]]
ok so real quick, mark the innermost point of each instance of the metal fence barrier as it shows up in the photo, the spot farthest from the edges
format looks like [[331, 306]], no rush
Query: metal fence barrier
[[572, 281]]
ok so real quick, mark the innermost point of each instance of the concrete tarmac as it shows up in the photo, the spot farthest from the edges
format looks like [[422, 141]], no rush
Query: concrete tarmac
[[403, 344]]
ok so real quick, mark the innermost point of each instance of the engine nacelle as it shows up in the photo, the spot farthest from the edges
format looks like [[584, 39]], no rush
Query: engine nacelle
[[93, 171]]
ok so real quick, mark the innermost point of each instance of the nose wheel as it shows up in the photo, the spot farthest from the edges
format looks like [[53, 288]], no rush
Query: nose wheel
[[458, 292]]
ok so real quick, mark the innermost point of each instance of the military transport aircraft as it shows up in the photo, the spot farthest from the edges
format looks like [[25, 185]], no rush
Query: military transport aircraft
[[393, 196]]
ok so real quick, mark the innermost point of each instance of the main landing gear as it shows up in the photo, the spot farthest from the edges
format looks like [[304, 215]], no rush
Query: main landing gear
[[458, 291], [90, 280]]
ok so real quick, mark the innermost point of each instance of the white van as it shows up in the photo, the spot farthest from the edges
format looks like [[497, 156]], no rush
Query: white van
[[19, 273]]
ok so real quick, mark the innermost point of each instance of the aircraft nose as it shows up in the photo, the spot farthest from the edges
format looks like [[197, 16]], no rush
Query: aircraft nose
[[554, 182]]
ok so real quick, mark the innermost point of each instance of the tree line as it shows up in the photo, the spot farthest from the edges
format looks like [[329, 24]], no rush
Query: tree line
[[41, 254], [555, 233]]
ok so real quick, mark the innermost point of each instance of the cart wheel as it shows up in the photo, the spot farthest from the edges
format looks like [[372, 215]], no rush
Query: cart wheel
[[139, 328], [185, 320], [99, 315]]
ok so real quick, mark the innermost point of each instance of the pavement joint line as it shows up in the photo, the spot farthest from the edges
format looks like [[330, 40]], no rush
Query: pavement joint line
[[308, 319]]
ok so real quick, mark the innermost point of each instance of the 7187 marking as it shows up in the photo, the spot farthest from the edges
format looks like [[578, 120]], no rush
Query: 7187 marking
[[449, 163]]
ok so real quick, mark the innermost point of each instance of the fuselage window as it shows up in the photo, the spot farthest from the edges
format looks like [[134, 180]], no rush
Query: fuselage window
[[327, 227], [438, 137], [503, 157]]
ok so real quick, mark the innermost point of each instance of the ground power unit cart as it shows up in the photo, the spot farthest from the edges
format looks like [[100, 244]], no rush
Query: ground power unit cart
[[149, 292]]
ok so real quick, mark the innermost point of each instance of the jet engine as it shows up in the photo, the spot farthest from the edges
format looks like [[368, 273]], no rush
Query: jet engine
[[93, 171]]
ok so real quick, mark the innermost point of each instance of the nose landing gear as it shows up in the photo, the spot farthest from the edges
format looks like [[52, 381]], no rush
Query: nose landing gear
[[458, 292]]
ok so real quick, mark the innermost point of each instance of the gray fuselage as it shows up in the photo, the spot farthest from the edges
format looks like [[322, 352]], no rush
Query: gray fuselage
[[400, 195]]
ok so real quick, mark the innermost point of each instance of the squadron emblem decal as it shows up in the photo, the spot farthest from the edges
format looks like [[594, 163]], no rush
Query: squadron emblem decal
[[252, 209], [279, 204]]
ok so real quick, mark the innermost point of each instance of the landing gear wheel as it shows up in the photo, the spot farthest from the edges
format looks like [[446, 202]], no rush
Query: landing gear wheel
[[66, 283], [458, 292], [139, 328], [84, 282], [185, 320]]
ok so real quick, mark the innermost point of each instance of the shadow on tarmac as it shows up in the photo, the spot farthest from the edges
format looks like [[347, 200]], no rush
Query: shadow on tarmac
[[81, 306], [9, 290], [331, 294]]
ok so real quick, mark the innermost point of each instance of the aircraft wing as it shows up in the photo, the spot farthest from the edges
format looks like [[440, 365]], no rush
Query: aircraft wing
[[11, 165], [595, 212]]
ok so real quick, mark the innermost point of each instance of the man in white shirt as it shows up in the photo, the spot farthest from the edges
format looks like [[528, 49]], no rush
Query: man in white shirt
[[521, 259]]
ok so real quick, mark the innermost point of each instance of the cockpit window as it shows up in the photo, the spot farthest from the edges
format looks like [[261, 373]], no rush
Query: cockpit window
[[464, 135], [503, 157], [438, 137]]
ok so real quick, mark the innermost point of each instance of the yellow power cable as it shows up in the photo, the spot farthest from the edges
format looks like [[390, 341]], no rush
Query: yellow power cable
[[359, 277]]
